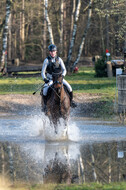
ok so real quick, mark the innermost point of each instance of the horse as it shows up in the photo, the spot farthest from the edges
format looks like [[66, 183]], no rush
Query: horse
[[58, 102]]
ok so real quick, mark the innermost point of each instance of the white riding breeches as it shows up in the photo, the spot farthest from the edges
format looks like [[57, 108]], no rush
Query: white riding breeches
[[47, 85], [69, 88]]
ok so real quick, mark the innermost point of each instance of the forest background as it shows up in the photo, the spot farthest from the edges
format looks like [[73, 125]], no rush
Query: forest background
[[79, 28]]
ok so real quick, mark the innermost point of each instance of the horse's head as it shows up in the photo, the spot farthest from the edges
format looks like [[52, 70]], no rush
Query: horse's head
[[57, 80]]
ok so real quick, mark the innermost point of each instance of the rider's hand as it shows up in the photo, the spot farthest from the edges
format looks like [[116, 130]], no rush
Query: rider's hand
[[46, 80]]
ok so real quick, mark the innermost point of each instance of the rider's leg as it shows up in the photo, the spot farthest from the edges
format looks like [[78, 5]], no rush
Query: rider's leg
[[70, 92], [45, 91]]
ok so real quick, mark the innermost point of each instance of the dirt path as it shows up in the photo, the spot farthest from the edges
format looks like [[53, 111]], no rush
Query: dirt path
[[14, 104]]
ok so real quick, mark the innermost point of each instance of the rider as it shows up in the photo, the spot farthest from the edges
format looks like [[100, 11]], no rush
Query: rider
[[53, 61]]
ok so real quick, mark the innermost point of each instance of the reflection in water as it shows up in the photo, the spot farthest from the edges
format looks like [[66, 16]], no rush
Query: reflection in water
[[96, 155], [63, 162]]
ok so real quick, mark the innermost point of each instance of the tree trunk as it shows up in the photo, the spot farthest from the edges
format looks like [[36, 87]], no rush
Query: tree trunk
[[82, 169], [11, 161], [14, 35], [93, 164], [48, 22], [9, 39], [72, 16], [102, 37], [22, 33], [65, 31], [61, 28], [5, 33], [74, 33], [84, 35], [107, 29], [44, 33]]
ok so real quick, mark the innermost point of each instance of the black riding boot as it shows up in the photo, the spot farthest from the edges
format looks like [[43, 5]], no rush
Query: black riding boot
[[45, 103], [72, 103]]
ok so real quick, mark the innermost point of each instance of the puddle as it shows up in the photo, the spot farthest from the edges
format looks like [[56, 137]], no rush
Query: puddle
[[94, 151]]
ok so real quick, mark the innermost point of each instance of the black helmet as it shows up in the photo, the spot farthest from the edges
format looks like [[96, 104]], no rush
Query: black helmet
[[52, 47]]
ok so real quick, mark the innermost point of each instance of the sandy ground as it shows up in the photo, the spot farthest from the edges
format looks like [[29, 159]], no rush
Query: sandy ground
[[14, 104]]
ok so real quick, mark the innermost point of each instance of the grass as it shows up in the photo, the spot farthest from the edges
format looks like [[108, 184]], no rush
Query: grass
[[82, 82], [91, 186]]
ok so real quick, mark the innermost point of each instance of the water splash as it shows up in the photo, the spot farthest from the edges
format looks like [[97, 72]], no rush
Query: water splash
[[39, 125], [73, 131], [33, 125]]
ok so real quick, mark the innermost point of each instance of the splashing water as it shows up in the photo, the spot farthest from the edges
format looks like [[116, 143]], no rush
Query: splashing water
[[39, 125], [36, 127], [73, 132]]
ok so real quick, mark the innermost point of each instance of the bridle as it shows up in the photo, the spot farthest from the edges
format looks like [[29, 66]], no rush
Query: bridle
[[57, 90]]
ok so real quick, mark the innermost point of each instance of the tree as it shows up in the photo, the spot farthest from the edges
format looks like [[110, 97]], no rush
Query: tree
[[32, 24], [5, 33], [61, 27], [48, 22], [84, 34], [22, 32], [73, 33]]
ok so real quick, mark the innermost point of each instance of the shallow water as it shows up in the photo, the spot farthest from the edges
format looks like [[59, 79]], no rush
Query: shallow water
[[31, 152]]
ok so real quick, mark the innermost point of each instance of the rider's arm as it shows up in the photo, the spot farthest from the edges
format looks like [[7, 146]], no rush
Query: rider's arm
[[62, 67], [43, 72]]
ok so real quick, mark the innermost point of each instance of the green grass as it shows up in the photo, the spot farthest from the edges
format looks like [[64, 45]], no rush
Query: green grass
[[87, 186], [19, 85], [82, 82]]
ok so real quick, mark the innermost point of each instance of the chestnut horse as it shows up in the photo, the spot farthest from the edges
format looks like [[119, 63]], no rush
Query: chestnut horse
[[58, 103]]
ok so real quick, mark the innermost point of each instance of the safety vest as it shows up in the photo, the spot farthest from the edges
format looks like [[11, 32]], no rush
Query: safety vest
[[53, 66]]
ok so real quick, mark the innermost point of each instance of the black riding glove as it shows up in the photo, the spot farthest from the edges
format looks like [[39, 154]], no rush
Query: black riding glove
[[46, 80]]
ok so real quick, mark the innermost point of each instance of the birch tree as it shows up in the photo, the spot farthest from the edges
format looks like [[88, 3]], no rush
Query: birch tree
[[72, 16], [10, 39], [61, 27], [84, 35], [44, 33], [48, 22], [74, 33], [5, 33], [64, 29]]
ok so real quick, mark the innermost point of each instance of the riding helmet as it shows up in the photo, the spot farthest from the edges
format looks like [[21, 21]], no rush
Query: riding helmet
[[52, 47]]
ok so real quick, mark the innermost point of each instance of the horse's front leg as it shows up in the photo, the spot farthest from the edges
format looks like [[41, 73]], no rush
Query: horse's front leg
[[56, 131], [65, 133], [55, 126]]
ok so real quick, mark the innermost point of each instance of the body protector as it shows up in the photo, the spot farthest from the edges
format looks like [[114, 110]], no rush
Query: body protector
[[53, 66]]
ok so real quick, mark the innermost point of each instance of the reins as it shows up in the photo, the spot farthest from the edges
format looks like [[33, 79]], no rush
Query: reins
[[55, 91]]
